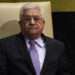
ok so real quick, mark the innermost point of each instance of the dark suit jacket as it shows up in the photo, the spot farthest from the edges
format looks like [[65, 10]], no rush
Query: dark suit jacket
[[15, 58]]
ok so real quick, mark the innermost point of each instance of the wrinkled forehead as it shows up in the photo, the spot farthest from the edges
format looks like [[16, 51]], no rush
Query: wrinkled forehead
[[31, 9], [32, 12]]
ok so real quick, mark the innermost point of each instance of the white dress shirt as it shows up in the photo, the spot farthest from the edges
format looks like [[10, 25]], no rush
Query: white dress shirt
[[40, 46]]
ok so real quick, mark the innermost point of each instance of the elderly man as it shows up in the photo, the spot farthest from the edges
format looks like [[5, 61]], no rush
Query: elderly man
[[31, 52]]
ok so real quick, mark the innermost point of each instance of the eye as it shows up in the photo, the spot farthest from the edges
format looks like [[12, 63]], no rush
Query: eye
[[36, 19], [27, 18]]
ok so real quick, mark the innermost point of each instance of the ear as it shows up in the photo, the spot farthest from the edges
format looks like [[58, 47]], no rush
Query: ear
[[20, 23], [43, 22]]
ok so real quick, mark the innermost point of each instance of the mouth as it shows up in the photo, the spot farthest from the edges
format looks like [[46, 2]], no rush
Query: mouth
[[32, 27]]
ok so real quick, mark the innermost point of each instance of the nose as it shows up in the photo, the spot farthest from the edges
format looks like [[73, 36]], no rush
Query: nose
[[32, 21]]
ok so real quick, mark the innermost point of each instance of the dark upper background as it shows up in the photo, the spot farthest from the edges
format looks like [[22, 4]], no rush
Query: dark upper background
[[63, 15]]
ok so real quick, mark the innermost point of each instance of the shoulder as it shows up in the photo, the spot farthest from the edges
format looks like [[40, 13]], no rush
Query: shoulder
[[10, 39], [54, 42], [55, 45], [51, 40]]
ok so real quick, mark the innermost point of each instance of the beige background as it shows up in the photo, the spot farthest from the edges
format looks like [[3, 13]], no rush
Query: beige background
[[9, 17], [57, 5]]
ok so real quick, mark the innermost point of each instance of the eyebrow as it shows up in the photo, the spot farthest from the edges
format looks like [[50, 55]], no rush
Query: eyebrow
[[30, 16]]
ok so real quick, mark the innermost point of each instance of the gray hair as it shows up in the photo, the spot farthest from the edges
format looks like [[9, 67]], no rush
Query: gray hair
[[31, 6]]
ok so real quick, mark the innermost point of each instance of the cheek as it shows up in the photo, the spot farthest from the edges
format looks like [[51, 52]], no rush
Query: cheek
[[24, 26], [41, 26]]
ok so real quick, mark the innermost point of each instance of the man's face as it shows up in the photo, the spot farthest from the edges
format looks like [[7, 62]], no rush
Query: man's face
[[32, 22]]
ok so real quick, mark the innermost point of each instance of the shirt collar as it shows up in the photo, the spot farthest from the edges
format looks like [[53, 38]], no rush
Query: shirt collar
[[39, 41]]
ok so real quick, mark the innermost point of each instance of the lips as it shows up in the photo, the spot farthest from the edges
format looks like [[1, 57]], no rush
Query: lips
[[32, 27]]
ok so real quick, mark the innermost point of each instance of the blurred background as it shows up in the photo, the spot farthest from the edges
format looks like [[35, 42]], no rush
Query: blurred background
[[57, 5], [63, 16]]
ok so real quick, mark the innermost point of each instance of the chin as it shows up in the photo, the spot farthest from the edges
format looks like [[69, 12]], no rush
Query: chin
[[33, 32]]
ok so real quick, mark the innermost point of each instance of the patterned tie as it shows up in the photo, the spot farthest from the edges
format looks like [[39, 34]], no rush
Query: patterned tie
[[35, 57]]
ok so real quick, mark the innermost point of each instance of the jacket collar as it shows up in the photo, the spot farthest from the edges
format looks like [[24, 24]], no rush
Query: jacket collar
[[23, 49]]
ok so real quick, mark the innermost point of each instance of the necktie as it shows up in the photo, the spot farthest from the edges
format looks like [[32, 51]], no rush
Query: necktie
[[35, 57]]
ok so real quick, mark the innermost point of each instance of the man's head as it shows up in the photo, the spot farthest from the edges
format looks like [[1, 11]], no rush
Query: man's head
[[31, 20]]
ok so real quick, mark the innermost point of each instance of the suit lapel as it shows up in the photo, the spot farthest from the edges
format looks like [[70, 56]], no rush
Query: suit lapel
[[21, 46], [48, 58]]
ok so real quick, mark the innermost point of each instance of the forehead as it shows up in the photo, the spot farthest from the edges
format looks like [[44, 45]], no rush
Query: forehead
[[32, 12]]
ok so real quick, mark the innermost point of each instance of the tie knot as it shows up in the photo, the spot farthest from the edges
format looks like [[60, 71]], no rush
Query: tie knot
[[32, 42]]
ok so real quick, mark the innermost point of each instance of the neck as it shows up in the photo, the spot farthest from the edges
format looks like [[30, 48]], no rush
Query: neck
[[32, 36]]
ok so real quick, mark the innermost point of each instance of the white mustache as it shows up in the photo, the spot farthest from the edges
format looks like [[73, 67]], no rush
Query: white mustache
[[32, 26]]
